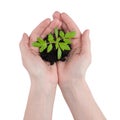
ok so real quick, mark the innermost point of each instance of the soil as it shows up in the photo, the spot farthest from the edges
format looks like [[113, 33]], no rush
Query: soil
[[52, 56]]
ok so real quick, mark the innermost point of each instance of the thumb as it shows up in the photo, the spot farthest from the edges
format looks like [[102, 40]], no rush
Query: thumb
[[24, 45], [85, 43]]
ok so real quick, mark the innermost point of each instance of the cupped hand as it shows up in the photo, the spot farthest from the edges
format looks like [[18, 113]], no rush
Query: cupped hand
[[74, 68], [39, 71]]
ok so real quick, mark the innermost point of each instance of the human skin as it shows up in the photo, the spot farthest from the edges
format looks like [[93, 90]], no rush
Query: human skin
[[71, 74], [43, 76]]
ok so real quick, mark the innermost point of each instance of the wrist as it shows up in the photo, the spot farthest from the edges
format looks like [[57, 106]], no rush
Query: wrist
[[43, 86], [44, 80], [71, 83], [43, 89]]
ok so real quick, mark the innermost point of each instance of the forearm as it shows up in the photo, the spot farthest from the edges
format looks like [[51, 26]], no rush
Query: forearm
[[81, 102], [40, 103]]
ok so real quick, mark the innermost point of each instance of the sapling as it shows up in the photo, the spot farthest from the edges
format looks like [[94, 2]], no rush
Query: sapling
[[58, 43]]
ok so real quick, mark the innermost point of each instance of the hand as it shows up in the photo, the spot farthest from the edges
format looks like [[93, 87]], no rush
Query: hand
[[43, 76], [74, 68], [39, 70], [71, 74]]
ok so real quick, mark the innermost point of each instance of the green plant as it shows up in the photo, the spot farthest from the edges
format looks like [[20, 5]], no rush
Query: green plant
[[59, 39]]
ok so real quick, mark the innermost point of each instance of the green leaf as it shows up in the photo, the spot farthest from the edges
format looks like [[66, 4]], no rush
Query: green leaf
[[50, 38], [57, 42], [67, 41], [56, 45], [59, 53], [56, 32], [64, 46], [49, 48], [40, 40], [43, 47], [36, 44], [70, 34], [58, 39], [62, 34]]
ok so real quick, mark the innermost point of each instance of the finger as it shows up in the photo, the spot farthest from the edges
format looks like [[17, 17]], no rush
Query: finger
[[64, 27], [57, 15], [70, 24], [85, 43], [37, 33], [54, 24], [24, 45], [39, 29]]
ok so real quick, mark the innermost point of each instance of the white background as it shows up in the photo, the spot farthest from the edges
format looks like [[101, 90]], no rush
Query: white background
[[102, 17]]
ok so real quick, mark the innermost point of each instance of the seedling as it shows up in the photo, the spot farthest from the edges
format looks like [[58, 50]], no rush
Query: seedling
[[56, 44]]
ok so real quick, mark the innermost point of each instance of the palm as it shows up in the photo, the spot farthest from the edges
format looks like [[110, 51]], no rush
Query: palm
[[31, 59], [73, 67], [41, 69]]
